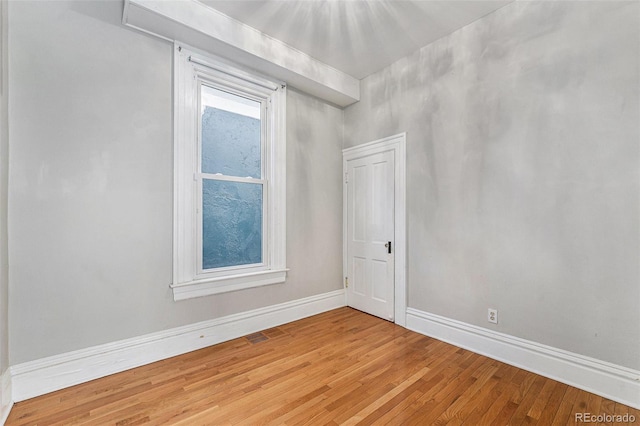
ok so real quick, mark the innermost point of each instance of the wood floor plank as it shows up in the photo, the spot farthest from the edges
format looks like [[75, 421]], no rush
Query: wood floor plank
[[486, 371], [565, 414], [341, 367], [607, 408], [551, 406], [541, 401], [520, 415], [383, 404], [483, 404]]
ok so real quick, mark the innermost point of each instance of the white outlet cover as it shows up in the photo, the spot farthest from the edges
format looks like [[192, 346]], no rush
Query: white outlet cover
[[492, 316]]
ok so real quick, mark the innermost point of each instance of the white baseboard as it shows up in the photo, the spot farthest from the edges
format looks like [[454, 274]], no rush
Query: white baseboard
[[49, 374], [6, 402], [611, 381]]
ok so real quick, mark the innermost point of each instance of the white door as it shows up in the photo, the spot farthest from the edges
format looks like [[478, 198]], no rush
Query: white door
[[370, 234]]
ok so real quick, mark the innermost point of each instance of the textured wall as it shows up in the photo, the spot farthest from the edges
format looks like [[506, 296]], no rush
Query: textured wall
[[523, 161], [90, 200]]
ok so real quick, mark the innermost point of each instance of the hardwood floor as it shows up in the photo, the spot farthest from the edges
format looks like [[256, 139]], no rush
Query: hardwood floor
[[341, 367]]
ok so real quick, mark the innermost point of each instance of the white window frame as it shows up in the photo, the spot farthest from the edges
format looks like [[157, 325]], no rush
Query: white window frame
[[193, 68]]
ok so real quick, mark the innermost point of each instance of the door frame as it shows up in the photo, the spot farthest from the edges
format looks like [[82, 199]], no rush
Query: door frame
[[397, 144]]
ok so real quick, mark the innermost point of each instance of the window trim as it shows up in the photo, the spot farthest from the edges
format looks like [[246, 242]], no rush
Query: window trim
[[191, 69]]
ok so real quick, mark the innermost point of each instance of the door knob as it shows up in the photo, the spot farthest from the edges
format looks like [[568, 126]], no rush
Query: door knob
[[388, 246]]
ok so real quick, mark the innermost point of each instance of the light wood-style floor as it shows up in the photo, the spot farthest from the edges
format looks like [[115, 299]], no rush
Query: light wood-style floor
[[341, 367]]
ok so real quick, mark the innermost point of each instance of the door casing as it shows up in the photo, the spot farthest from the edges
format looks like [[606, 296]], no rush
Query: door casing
[[396, 143]]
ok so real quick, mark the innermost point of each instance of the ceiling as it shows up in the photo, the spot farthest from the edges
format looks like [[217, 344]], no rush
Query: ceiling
[[358, 37]]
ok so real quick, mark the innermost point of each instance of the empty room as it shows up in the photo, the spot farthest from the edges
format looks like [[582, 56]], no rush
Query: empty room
[[285, 212]]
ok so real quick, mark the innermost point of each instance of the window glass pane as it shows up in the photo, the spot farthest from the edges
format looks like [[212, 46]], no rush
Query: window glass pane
[[231, 223], [230, 134]]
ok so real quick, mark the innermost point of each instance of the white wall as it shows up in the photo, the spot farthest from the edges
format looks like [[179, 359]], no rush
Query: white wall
[[4, 174], [90, 200], [5, 387], [523, 172]]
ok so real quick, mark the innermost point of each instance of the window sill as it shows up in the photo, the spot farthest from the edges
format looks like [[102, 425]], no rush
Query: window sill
[[206, 287]]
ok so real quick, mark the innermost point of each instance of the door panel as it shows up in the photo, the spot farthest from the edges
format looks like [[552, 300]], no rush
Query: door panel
[[370, 227], [359, 278], [379, 279]]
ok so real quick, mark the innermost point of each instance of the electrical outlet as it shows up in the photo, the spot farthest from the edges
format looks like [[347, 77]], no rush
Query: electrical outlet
[[492, 316]]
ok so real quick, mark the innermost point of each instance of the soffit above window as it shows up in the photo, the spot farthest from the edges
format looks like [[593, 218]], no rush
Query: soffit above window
[[205, 28]]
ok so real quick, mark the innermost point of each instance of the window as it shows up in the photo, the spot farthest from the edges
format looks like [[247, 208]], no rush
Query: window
[[229, 194]]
